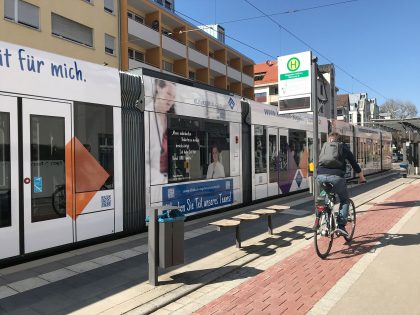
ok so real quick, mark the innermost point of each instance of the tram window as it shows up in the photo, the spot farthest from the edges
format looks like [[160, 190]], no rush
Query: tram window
[[273, 157], [94, 128], [48, 167], [197, 149], [260, 135], [5, 189], [297, 149]]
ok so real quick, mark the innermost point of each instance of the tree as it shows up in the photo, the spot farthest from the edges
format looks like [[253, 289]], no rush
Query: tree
[[399, 109]]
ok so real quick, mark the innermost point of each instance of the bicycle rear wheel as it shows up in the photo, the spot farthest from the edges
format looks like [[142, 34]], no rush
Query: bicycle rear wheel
[[323, 236], [351, 221]]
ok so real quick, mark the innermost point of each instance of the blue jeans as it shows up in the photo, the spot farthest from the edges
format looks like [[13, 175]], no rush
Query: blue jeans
[[340, 188]]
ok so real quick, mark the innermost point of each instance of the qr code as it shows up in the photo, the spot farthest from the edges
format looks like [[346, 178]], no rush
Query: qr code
[[171, 193], [106, 201], [227, 185]]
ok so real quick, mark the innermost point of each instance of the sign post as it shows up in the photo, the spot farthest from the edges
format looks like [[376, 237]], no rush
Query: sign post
[[314, 99], [295, 81], [298, 93]]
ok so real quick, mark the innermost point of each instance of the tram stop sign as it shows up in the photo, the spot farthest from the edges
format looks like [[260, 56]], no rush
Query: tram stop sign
[[295, 80]]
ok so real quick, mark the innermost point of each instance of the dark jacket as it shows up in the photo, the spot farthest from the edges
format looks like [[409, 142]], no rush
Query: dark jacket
[[349, 157]]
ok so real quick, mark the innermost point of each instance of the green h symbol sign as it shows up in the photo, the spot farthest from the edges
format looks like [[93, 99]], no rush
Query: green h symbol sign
[[293, 64]]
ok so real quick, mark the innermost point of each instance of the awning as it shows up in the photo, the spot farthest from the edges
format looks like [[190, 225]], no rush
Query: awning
[[405, 125]]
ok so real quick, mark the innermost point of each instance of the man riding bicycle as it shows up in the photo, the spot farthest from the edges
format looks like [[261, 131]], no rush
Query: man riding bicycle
[[332, 169]]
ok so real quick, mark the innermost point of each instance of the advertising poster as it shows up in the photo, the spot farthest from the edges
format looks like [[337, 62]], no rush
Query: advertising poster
[[193, 197]]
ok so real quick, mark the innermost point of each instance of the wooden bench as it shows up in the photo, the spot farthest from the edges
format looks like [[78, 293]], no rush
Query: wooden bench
[[235, 221], [228, 223], [267, 213]]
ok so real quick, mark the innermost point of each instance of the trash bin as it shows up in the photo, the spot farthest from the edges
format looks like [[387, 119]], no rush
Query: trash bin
[[171, 238], [404, 167]]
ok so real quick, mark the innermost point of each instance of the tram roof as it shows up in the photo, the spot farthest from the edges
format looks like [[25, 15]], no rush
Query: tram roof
[[407, 124]]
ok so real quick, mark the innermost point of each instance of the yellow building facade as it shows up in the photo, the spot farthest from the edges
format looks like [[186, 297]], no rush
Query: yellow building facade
[[82, 29], [153, 37]]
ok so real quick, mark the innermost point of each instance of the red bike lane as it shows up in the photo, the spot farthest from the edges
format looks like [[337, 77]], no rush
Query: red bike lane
[[297, 283]]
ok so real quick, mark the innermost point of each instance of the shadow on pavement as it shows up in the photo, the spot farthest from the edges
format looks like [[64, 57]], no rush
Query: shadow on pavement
[[369, 243]]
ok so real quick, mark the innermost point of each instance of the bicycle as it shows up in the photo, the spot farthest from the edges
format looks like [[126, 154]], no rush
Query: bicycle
[[326, 221]]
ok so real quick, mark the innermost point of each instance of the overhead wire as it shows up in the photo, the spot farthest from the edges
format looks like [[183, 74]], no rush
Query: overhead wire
[[317, 51], [287, 12], [236, 40]]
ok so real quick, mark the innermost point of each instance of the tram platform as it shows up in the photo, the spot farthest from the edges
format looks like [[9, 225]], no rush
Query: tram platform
[[374, 274]]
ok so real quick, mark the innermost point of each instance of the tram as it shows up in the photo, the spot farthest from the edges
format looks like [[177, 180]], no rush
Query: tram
[[85, 150]]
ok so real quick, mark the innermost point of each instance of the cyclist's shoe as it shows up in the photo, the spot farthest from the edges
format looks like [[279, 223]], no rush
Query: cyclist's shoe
[[341, 230]]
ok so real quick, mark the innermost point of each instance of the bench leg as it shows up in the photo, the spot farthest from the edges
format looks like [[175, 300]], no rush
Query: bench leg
[[238, 237], [270, 225]]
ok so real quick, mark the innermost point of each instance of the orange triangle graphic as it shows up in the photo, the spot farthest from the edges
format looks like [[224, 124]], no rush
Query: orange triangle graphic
[[82, 200]]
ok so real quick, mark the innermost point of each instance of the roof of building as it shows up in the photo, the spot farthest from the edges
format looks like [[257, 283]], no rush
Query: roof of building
[[270, 71], [326, 68], [342, 100], [406, 124]]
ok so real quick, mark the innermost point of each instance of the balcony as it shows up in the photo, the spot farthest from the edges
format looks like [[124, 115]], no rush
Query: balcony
[[143, 35], [217, 66], [134, 64], [198, 58], [173, 48], [233, 74], [247, 80]]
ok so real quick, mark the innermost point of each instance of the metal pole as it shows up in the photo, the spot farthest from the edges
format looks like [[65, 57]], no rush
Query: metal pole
[[153, 247], [314, 104]]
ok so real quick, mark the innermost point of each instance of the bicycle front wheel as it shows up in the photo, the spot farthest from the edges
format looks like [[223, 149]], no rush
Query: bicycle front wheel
[[323, 237], [351, 221]]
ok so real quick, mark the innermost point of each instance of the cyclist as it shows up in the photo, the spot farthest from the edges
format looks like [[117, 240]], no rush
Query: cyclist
[[332, 169]]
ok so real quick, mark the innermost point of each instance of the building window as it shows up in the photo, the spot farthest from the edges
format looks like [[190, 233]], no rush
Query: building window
[[259, 76], [135, 17], [261, 97], [168, 5], [22, 12], [274, 90], [135, 55], [167, 66], [339, 112], [109, 44], [109, 6], [191, 75], [71, 30]]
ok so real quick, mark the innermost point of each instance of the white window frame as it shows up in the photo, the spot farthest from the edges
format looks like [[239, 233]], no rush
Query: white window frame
[[63, 36], [108, 9], [16, 14], [110, 37]]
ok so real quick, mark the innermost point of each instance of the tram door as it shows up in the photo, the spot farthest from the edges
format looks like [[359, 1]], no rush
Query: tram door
[[9, 186], [47, 171], [277, 159]]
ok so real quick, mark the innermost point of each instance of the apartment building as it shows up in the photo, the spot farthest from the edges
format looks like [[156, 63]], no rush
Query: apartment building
[[343, 106], [362, 109], [266, 87], [154, 37], [82, 29]]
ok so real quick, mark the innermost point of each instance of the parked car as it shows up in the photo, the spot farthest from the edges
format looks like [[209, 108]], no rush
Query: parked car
[[394, 157]]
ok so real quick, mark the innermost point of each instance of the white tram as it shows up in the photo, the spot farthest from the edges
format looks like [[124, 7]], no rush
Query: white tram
[[85, 150], [60, 151]]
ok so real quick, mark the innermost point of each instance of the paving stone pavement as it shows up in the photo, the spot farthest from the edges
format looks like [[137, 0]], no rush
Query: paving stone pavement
[[294, 285]]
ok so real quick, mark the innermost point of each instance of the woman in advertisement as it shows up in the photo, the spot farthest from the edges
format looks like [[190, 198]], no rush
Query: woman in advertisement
[[216, 169], [163, 103]]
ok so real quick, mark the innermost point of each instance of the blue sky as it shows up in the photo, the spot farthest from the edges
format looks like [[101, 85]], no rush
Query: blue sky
[[376, 41]]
